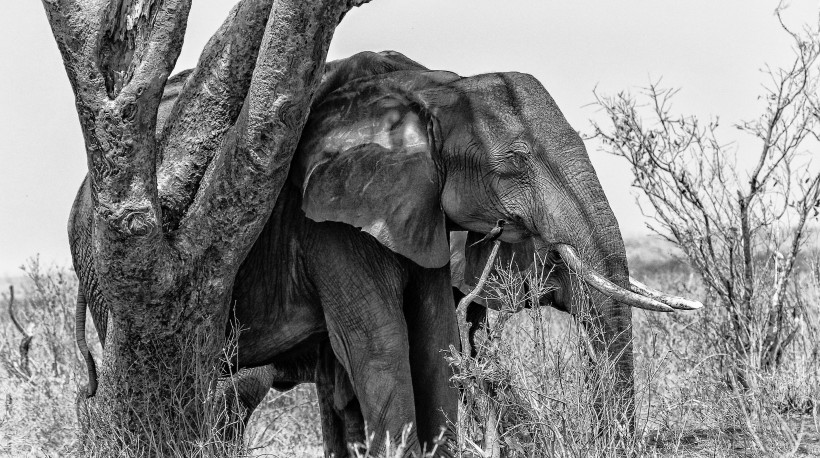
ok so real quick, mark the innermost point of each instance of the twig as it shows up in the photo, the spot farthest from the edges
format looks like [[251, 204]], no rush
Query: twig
[[11, 312], [491, 445], [461, 311]]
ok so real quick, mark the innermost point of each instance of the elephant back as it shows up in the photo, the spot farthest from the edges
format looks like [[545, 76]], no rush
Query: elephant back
[[362, 65]]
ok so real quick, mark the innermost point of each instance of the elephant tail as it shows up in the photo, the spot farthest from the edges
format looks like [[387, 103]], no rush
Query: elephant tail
[[79, 329]]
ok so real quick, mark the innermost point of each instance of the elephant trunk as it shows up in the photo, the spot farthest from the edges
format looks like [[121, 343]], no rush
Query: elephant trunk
[[588, 240]]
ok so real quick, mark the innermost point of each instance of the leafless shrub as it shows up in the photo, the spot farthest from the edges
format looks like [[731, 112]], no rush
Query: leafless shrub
[[743, 233], [22, 367], [37, 413]]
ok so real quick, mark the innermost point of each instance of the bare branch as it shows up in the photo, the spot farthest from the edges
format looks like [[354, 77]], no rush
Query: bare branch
[[743, 235], [11, 312], [75, 26], [25, 342]]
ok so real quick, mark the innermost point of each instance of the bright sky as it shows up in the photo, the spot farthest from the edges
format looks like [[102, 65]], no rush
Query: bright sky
[[713, 50]]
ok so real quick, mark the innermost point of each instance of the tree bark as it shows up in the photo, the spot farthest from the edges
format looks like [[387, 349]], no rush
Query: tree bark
[[175, 214]]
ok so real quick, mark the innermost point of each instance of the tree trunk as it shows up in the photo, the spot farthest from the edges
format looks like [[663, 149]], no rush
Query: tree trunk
[[150, 400], [163, 257]]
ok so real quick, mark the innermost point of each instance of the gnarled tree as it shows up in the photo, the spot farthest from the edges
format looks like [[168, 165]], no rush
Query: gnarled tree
[[170, 216]]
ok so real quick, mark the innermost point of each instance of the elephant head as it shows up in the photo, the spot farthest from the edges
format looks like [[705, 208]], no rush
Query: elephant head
[[408, 155]]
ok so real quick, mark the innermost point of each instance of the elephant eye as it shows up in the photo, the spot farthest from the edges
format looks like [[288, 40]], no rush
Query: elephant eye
[[517, 159], [517, 155], [513, 159]]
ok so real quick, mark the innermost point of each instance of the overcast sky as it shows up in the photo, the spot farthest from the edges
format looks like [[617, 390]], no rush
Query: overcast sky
[[713, 50]]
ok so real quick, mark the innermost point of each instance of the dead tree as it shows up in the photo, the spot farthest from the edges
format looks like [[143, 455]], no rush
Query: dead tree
[[743, 231], [165, 246]]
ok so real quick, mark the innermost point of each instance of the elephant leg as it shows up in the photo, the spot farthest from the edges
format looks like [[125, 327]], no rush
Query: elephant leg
[[362, 301], [342, 421], [354, 422], [333, 423], [347, 406], [379, 367], [432, 329]]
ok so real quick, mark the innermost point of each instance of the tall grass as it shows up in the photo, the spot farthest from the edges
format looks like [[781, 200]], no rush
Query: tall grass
[[39, 413], [537, 371], [698, 408], [533, 370]]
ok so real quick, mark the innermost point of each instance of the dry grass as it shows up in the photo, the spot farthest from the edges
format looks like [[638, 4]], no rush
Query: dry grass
[[543, 385], [695, 409], [542, 382], [37, 416]]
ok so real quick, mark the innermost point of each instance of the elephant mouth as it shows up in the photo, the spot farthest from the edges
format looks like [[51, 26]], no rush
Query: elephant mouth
[[638, 295]]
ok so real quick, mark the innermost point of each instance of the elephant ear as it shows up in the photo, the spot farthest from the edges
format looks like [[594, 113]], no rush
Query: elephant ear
[[366, 159], [467, 263]]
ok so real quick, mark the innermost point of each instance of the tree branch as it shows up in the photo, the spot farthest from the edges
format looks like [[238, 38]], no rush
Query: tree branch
[[208, 106], [242, 182], [75, 26], [11, 312]]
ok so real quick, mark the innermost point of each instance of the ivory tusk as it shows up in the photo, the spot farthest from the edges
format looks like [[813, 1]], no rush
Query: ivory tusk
[[605, 286], [673, 301]]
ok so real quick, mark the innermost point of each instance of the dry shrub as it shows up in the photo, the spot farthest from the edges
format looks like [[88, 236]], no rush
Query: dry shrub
[[695, 407], [534, 372], [37, 414], [743, 228]]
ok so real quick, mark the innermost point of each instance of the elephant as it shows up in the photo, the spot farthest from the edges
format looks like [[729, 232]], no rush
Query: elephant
[[355, 258], [383, 126]]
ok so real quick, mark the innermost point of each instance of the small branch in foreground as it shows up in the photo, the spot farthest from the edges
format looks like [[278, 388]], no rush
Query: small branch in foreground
[[491, 438], [461, 310]]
